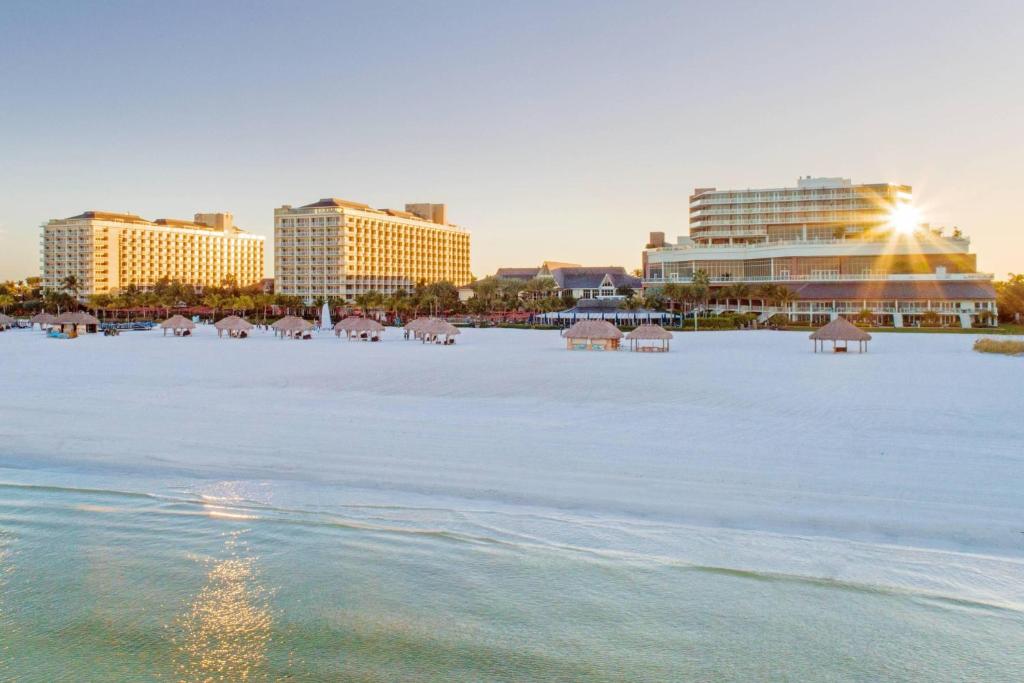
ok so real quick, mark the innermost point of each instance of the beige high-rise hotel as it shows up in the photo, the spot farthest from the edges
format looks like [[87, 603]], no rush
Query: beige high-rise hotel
[[338, 248], [107, 252]]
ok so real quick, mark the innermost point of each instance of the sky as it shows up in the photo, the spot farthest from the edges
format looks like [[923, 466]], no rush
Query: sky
[[552, 130]]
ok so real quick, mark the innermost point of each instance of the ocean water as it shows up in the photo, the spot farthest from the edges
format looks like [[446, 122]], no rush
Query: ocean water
[[263, 511], [202, 581]]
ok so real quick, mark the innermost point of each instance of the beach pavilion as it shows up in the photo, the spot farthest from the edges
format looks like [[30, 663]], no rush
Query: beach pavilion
[[433, 330], [354, 327], [592, 335], [415, 327], [76, 323], [235, 326], [179, 325], [840, 330], [606, 309], [293, 326], [649, 337], [43, 319]]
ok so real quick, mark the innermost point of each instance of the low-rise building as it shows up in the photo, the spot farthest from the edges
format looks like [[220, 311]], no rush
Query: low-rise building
[[580, 282]]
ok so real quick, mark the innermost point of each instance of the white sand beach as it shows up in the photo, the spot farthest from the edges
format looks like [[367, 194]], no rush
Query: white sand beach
[[900, 470]]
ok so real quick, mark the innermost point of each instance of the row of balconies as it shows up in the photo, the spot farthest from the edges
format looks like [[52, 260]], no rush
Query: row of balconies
[[776, 219], [787, 196], [824, 277], [865, 207]]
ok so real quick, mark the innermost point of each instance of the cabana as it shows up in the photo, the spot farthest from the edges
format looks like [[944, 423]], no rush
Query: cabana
[[841, 330], [179, 325], [433, 330], [76, 323], [7, 322], [294, 327], [43, 319], [414, 328], [366, 329], [592, 335], [235, 326], [649, 333]]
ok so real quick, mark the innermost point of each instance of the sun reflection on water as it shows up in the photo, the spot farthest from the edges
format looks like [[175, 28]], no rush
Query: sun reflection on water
[[225, 634]]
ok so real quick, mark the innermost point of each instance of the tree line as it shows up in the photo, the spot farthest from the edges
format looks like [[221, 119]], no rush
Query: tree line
[[491, 295]]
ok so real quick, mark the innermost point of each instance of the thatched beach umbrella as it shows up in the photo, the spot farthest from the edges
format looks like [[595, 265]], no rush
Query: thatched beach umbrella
[[355, 327], [291, 326], [7, 321], [233, 325], [178, 324], [415, 327], [841, 330], [649, 333], [592, 335], [43, 319], [434, 329], [77, 322]]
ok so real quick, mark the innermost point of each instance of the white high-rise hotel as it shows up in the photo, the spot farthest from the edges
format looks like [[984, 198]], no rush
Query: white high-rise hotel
[[106, 252], [338, 248], [840, 247]]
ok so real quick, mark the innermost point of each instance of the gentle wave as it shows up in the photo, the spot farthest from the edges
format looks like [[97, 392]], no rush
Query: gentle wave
[[871, 568]]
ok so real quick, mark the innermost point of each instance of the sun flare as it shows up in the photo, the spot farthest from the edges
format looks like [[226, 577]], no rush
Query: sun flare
[[905, 219]]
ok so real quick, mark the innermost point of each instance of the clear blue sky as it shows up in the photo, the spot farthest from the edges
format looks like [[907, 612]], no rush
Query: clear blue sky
[[553, 130]]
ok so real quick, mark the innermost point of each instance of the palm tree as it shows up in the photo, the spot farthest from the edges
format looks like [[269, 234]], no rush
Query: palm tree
[[723, 294], [72, 286], [215, 300], [741, 290], [785, 298], [767, 294], [674, 293], [700, 290]]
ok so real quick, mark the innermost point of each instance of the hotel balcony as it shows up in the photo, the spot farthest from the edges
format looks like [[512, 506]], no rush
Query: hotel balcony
[[826, 277]]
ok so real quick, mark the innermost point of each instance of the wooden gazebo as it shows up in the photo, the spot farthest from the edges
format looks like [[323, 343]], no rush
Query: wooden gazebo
[[840, 332], [649, 333]]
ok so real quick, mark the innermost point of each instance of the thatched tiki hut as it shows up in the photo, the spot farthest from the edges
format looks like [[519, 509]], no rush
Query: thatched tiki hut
[[365, 329], [235, 326], [433, 331], [592, 335], [840, 330], [414, 328], [179, 325], [6, 321], [293, 327], [649, 338], [74, 324], [43, 319]]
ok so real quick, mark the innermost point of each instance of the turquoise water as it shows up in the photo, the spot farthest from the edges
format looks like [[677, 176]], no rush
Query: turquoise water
[[109, 585]]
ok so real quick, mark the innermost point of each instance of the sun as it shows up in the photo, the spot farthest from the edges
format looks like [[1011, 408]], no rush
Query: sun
[[904, 219]]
